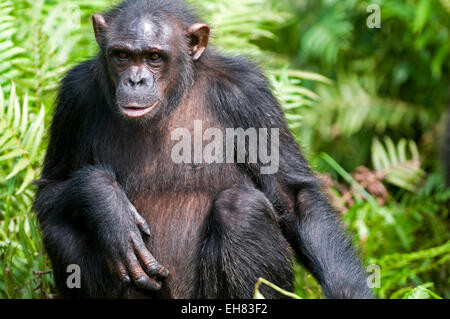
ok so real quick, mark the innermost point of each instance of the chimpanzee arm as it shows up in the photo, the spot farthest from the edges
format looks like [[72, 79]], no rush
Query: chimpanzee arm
[[87, 220], [85, 216], [319, 240], [309, 223], [312, 226]]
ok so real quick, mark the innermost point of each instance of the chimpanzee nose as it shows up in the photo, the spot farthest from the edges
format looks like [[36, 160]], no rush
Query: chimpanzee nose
[[138, 78], [136, 81]]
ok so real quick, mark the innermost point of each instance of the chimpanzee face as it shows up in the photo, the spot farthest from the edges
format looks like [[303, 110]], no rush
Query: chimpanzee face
[[145, 57]]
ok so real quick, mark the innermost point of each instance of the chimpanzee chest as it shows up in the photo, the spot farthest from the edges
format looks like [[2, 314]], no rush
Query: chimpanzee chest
[[176, 215]]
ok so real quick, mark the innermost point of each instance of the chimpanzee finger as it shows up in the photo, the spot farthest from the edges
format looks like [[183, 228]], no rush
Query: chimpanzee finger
[[151, 266], [123, 272], [140, 279], [140, 221]]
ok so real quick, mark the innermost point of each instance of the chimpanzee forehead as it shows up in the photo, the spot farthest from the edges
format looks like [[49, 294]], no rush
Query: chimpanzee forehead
[[146, 29]]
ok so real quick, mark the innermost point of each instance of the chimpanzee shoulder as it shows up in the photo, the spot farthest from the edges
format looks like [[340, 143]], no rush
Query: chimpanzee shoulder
[[240, 93], [241, 97], [79, 95], [79, 80]]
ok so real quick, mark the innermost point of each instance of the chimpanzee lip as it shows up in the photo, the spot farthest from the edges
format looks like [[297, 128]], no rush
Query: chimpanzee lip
[[138, 110]]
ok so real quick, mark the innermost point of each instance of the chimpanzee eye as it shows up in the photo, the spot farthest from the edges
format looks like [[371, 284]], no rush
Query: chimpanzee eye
[[122, 55], [155, 57]]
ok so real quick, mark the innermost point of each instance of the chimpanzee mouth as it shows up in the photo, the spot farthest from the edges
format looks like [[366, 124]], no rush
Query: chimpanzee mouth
[[138, 110]]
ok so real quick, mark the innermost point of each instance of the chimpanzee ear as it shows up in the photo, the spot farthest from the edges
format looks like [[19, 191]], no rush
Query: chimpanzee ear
[[198, 34], [99, 23]]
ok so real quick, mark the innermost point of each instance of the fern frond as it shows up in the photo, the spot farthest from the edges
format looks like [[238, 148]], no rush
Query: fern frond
[[237, 24], [399, 163], [327, 37], [398, 268], [292, 95], [346, 108], [21, 134], [8, 50], [45, 38]]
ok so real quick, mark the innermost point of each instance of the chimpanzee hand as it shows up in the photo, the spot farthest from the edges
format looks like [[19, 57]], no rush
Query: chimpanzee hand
[[115, 226], [130, 258]]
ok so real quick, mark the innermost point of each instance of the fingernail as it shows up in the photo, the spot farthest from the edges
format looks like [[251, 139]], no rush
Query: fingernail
[[165, 272], [146, 229], [126, 279]]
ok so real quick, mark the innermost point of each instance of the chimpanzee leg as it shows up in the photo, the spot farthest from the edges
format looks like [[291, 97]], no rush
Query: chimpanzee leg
[[241, 242]]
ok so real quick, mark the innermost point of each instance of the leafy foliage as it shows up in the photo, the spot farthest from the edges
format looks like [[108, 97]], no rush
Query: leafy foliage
[[392, 161], [21, 133]]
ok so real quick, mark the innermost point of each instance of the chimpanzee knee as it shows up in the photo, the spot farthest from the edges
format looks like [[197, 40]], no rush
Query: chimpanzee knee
[[243, 242], [238, 208]]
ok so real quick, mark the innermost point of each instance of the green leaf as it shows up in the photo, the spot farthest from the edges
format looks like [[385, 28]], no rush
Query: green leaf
[[15, 153], [20, 166], [421, 293], [28, 179]]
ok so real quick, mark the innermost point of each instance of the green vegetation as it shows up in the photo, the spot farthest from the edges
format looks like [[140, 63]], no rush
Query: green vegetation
[[370, 123]]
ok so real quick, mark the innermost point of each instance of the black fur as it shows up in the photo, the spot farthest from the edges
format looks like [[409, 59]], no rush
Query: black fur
[[217, 227]]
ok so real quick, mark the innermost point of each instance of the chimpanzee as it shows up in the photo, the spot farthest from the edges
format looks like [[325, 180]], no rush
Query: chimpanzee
[[113, 200]]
